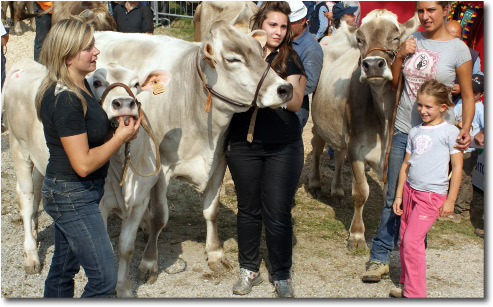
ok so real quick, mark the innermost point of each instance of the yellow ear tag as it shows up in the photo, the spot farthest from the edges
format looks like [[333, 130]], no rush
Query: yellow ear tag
[[158, 88]]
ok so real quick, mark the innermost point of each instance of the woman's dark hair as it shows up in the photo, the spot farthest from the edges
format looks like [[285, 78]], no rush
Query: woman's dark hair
[[443, 4], [285, 48]]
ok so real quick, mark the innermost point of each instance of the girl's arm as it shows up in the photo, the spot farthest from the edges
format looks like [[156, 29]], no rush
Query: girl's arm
[[407, 47], [464, 73], [400, 185], [448, 205], [298, 82], [85, 160]]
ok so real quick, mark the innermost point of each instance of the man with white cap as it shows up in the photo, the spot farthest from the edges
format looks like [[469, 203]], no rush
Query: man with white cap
[[309, 51]]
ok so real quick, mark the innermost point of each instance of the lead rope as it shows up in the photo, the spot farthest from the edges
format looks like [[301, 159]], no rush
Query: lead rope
[[144, 123], [391, 127], [251, 127], [128, 160]]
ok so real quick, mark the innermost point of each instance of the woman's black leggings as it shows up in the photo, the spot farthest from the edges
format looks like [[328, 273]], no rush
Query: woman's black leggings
[[265, 177]]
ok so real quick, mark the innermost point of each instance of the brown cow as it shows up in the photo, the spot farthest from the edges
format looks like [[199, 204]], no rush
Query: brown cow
[[209, 12], [353, 106], [93, 12], [19, 10]]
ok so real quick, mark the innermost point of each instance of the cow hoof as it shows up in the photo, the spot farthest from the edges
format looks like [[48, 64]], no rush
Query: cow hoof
[[315, 192], [146, 276], [355, 245], [33, 268], [220, 266]]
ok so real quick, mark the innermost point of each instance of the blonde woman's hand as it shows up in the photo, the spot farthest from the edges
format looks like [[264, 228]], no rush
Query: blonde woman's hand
[[126, 133]]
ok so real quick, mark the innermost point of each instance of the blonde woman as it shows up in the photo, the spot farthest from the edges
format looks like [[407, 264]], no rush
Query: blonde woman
[[80, 143]]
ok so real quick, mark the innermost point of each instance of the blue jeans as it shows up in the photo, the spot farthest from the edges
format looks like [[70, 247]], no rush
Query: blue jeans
[[388, 230], [81, 239]]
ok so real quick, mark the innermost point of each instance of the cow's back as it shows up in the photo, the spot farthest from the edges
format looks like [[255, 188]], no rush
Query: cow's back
[[21, 85], [329, 100]]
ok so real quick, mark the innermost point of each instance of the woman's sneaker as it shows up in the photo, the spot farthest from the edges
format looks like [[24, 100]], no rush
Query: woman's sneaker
[[246, 281], [284, 288]]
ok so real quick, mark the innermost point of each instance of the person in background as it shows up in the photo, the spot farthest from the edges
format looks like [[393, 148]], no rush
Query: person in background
[[431, 54], [310, 6], [80, 142], [266, 168], [464, 199], [133, 17], [5, 38], [343, 12], [423, 190], [310, 53], [319, 23], [454, 28], [43, 25]]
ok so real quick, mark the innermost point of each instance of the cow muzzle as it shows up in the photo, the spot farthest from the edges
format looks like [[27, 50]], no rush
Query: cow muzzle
[[126, 106], [374, 67]]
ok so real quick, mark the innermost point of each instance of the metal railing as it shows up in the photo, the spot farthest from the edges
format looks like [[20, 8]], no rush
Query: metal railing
[[166, 11]]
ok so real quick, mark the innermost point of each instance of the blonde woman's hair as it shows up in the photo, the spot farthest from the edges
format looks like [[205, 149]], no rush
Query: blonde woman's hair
[[439, 91], [65, 39]]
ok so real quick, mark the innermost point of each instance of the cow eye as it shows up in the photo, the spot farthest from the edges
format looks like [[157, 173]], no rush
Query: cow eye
[[136, 85], [233, 60], [359, 40], [97, 83], [396, 38]]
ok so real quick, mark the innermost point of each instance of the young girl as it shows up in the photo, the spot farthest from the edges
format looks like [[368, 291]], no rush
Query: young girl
[[423, 182]]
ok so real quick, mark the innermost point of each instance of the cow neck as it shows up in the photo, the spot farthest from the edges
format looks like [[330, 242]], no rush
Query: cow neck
[[211, 92]]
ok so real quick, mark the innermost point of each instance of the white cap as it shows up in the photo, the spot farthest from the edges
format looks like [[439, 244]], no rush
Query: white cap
[[298, 10]]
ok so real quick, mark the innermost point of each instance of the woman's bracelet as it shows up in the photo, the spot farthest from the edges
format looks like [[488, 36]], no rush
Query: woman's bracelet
[[398, 197]]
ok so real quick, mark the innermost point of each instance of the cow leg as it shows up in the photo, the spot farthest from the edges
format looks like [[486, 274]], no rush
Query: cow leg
[[216, 258], [336, 187], [360, 195], [126, 246], [314, 185], [37, 184], [23, 167], [158, 215]]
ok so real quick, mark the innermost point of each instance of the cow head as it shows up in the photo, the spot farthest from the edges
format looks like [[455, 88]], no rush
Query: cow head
[[118, 101], [233, 65], [100, 19], [379, 36]]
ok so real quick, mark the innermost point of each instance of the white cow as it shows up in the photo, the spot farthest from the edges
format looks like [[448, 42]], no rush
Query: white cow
[[353, 105], [27, 142], [191, 140]]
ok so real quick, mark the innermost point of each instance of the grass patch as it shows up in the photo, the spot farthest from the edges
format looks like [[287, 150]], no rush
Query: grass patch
[[181, 28]]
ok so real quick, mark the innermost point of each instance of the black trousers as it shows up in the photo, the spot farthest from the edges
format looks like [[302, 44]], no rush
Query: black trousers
[[43, 25], [265, 177]]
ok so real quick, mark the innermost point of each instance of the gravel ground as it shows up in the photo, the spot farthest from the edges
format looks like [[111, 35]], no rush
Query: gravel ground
[[326, 271]]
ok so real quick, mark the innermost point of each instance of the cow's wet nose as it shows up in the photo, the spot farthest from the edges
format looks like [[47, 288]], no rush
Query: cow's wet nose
[[285, 92], [374, 67], [123, 102]]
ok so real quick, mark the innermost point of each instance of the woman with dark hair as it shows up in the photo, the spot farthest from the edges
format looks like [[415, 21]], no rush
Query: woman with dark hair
[[431, 54], [266, 167]]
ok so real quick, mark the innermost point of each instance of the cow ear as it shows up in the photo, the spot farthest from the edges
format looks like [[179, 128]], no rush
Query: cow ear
[[261, 36], [241, 21], [409, 27], [155, 81], [208, 52]]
